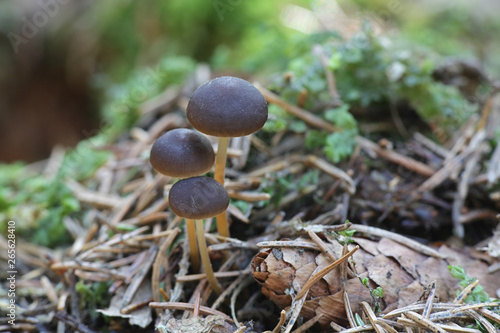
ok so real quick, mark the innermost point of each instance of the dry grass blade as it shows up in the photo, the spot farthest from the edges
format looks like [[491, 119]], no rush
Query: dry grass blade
[[486, 324], [474, 306], [465, 292], [425, 322], [281, 322], [371, 317], [430, 300], [346, 181], [234, 296], [296, 307], [139, 277], [398, 238], [307, 325], [227, 291], [490, 315], [394, 157], [189, 307], [160, 258], [196, 277], [321, 245], [363, 328], [306, 116], [296, 243], [417, 307]]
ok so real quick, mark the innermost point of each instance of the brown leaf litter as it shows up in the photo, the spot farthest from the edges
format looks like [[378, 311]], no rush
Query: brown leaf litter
[[128, 238]]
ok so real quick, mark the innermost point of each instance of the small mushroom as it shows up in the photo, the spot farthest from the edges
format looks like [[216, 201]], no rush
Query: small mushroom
[[182, 153], [196, 199], [226, 107]]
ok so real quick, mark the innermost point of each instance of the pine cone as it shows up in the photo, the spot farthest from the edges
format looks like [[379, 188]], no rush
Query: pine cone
[[401, 272]]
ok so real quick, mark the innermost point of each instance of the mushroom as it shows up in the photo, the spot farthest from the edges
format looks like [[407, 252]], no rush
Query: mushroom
[[226, 107], [183, 153], [199, 198]]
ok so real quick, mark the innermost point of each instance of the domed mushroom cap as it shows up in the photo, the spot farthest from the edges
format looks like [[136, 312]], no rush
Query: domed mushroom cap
[[227, 107], [198, 198], [182, 153]]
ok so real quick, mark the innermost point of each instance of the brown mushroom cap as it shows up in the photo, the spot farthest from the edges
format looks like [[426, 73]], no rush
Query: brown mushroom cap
[[182, 153], [198, 198], [227, 107]]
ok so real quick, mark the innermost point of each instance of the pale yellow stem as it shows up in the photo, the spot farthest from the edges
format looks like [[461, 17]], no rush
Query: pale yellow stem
[[205, 259], [193, 246], [220, 167]]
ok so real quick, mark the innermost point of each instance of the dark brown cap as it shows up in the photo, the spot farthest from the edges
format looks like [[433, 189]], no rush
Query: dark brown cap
[[227, 107], [182, 153], [198, 198]]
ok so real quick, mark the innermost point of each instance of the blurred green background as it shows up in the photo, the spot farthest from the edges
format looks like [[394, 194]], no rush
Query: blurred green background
[[69, 69], [61, 59]]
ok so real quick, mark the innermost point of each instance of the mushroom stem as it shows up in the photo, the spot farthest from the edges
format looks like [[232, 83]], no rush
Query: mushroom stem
[[193, 246], [220, 166], [205, 259]]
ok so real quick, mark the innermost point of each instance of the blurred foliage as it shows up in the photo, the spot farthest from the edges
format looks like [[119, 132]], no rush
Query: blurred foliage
[[464, 29], [93, 296], [368, 70], [475, 296], [39, 203], [136, 33]]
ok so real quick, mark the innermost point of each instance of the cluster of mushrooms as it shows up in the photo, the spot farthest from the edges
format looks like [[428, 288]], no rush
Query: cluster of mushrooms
[[223, 107]]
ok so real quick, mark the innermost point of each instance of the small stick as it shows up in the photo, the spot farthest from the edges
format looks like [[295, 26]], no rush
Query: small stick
[[277, 329], [490, 315], [306, 116], [196, 277], [234, 296], [397, 158], [357, 329], [371, 317], [386, 326], [197, 305], [348, 310], [330, 77], [140, 276], [430, 301], [486, 324], [189, 307], [474, 306], [436, 148], [346, 182], [249, 196], [466, 292], [417, 307], [295, 243], [399, 239], [324, 248], [458, 329], [228, 290], [135, 306], [297, 307], [425, 322], [158, 263], [308, 324]]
